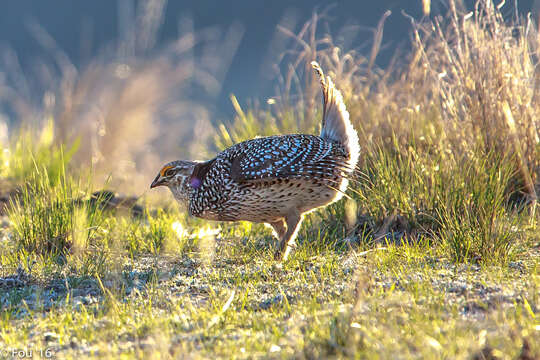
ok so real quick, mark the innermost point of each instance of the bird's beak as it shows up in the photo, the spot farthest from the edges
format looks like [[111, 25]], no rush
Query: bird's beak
[[159, 180]]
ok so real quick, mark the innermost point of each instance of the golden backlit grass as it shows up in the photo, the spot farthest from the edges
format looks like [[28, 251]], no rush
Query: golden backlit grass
[[435, 254]]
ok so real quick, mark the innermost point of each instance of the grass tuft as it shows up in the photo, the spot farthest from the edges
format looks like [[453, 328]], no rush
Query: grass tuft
[[47, 218]]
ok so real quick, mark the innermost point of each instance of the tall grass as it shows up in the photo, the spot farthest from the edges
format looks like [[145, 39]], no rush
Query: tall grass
[[46, 216], [30, 148], [466, 204], [481, 72], [134, 105], [449, 136], [62, 220], [477, 220]]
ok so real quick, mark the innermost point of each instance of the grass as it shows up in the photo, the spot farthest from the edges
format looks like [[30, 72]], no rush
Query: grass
[[320, 304], [30, 148], [435, 254], [46, 216]]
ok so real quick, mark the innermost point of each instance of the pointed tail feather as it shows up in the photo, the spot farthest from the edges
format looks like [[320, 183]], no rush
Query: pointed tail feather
[[336, 125]]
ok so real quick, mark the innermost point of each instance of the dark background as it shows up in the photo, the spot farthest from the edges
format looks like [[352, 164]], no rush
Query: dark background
[[96, 22]]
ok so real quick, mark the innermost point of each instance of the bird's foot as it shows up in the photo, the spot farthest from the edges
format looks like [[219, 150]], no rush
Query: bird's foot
[[283, 252]]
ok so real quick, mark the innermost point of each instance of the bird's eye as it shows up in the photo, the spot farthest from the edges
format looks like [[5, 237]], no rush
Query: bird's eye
[[169, 172]]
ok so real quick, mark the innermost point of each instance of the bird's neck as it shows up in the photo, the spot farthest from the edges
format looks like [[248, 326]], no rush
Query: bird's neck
[[182, 190]]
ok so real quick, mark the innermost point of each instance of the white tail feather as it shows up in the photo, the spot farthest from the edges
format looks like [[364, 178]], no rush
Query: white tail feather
[[336, 125]]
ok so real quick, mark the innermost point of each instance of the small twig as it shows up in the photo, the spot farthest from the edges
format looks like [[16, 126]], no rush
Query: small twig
[[363, 253], [377, 40], [225, 307]]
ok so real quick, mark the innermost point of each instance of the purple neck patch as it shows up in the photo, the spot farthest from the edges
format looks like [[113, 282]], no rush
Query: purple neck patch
[[195, 182]]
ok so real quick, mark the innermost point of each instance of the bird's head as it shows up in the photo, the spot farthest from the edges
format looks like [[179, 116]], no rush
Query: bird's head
[[177, 176]]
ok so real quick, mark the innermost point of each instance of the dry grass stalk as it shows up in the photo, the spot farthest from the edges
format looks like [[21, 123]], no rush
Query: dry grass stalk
[[132, 106]]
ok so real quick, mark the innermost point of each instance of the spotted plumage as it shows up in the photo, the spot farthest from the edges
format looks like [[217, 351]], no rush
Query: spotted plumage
[[275, 179]]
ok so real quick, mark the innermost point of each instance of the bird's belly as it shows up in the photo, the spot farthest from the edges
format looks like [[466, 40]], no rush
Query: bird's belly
[[268, 203]]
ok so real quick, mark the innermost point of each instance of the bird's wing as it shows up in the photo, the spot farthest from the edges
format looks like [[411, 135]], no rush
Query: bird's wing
[[288, 156]]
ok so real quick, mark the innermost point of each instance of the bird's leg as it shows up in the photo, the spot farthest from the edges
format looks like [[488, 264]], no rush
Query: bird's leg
[[279, 228], [293, 220]]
